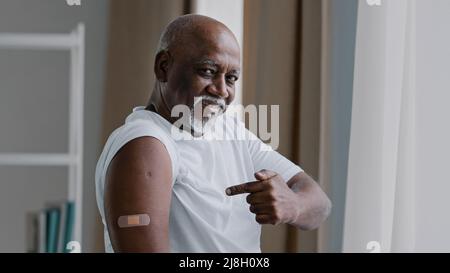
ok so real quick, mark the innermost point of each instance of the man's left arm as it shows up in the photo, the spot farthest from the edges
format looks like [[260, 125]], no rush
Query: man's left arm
[[315, 206], [299, 202]]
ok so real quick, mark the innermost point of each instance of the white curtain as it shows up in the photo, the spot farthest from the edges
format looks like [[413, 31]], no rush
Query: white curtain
[[380, 200]]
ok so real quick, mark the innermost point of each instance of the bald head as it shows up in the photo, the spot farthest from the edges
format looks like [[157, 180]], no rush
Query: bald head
[[197, 57], [192, 29]]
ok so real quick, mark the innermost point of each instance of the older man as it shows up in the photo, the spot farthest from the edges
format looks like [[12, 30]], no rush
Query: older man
[[157, 193]]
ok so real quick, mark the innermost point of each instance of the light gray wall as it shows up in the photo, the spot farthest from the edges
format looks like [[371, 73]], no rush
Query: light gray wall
[[33, 111], [433, 126]]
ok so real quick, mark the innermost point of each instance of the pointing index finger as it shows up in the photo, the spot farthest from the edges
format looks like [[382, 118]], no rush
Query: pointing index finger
[[249, 187]]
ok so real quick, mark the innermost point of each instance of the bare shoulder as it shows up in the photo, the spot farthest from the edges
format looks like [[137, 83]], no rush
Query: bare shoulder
[[139, 181], [143, 154]]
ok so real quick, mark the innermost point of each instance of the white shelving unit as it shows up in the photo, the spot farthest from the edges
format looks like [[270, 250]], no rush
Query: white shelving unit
[[73, 43]]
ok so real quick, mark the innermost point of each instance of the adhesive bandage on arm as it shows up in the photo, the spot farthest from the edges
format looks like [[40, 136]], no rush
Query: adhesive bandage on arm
[[135, 220]]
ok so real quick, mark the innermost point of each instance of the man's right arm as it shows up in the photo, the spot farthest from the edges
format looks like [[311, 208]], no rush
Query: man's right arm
[[139, 181]]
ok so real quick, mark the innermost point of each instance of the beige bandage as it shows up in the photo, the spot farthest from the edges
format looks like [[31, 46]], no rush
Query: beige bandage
[[135, 220]]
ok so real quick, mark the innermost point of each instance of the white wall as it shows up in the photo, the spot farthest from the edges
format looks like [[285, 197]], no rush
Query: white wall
[[34, 114], [433, 126]]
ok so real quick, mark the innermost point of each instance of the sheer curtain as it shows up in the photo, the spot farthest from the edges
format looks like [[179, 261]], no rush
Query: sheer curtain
[[380, 204]]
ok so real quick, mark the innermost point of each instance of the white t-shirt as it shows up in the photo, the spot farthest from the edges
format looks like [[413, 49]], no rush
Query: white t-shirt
[[202, 217]]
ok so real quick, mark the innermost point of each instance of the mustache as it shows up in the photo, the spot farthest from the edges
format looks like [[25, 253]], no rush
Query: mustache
[[211, 100]]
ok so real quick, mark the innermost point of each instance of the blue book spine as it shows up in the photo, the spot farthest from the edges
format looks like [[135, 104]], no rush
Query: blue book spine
[[52, 230]]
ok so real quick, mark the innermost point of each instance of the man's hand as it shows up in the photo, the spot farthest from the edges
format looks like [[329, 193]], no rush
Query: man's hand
[[300, 202], [270, 198]]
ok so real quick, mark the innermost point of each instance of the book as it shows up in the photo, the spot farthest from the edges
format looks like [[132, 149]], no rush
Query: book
[[32, 232], [70, 224], [53, 215], [62, 226], [66, 226], [42, 232], [51, 229]]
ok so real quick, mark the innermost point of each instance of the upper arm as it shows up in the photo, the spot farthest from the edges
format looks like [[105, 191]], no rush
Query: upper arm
[[139, 181]]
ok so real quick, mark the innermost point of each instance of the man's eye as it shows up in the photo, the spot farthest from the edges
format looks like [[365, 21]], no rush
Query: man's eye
[[207, 71], [232, 79]]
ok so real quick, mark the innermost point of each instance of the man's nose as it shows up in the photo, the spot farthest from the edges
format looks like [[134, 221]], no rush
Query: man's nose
[[218, 88]]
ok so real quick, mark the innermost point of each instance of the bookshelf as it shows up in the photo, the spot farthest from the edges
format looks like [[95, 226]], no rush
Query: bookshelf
[[74, 44]]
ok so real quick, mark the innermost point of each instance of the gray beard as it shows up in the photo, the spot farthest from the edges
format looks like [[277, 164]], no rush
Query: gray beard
[[200, 126]]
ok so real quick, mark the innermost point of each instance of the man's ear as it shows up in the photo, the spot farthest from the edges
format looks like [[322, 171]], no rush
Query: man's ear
[[161, 68]]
